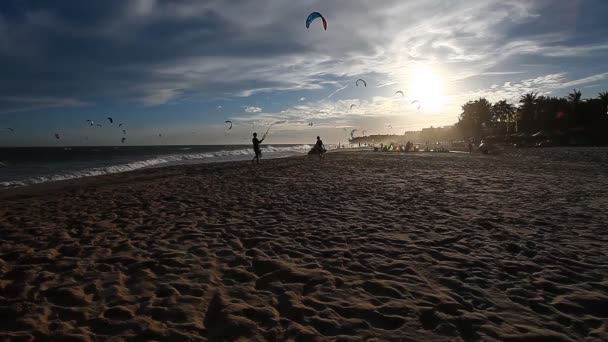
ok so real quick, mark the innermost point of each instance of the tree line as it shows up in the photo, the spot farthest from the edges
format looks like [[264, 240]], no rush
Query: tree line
[[562, 118]]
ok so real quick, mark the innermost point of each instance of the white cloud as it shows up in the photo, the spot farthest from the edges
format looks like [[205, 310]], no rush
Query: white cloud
[[586, 80], [252, 109], [302, 99]]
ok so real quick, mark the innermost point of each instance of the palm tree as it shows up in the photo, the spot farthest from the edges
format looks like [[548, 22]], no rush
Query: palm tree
[[575, 97], [475, 114], [503, 111], [528, 99], [526, 110]]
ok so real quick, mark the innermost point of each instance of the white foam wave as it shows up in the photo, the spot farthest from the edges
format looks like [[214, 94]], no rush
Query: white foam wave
[[272, 152]]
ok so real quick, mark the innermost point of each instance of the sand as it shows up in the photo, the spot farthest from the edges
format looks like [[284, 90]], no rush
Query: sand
[[360, 246]]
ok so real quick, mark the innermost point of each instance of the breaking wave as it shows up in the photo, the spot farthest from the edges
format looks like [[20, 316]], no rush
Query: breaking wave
[[269, 152]]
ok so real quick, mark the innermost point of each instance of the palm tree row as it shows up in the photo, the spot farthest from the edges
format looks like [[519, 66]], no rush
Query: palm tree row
[[554, 115]]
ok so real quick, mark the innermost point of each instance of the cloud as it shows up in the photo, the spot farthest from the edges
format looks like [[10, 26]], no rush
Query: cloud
[[219, 107], [337, 91], [252, 109], [302, 99], [586, 80], [154, 52]]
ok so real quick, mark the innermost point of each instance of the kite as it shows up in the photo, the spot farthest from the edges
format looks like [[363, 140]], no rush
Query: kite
[[110, 119], [56, 135], [400, 92], [353, 105], [119, 125], [230, 122], [416, 101], [361, 80], [314, 15], [91, 122], [124, 131], [352, 133], [363, 133]]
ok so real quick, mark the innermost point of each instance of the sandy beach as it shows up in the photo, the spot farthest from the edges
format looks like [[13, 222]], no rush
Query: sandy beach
[[361, 246]]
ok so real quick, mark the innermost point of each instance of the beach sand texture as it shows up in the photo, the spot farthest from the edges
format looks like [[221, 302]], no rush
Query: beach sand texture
[[361, 246]]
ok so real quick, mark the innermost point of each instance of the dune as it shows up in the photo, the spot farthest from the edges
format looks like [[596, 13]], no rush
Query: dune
[[360, 246]]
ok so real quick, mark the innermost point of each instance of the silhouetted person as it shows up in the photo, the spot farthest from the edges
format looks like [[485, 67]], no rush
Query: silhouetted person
[[256, 148], [319, 148]]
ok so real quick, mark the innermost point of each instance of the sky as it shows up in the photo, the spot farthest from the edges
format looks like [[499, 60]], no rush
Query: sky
[[181, 68]]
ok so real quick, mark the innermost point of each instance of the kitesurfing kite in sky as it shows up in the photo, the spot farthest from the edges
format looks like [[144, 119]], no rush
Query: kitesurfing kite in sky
[[353, 105], [361, 80], [314, 15], [400, 92], [230, 122], [416, 101]]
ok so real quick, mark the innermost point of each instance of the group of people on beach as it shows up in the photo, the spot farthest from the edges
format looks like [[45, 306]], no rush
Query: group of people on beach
[[319, 148]]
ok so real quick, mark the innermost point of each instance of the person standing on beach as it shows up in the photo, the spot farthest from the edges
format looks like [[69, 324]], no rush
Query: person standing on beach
[[320, 148], [256, 148]]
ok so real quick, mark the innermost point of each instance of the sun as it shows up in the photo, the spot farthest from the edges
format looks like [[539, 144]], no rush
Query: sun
[[426, 86]]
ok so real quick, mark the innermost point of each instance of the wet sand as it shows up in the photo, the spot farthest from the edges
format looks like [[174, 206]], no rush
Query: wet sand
[[361, 246]]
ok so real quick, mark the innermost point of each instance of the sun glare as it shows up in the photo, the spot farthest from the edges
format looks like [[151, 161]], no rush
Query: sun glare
[[426, 86]]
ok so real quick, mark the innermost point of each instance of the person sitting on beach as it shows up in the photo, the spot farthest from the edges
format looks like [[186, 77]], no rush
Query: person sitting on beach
[[256, 148], [319, 148]]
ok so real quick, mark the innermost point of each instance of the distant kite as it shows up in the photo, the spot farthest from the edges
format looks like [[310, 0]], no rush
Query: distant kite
[[230, 122], [110, 119], [123, 140], [314, 15], [124, 131], [416, 101], [399, 92], [361, 80], [119, 125], [57, 136], [91, 123], [352, 105], [352, 133]]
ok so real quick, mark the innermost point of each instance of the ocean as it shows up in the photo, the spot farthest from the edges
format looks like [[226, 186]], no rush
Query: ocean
[[22, 166]]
